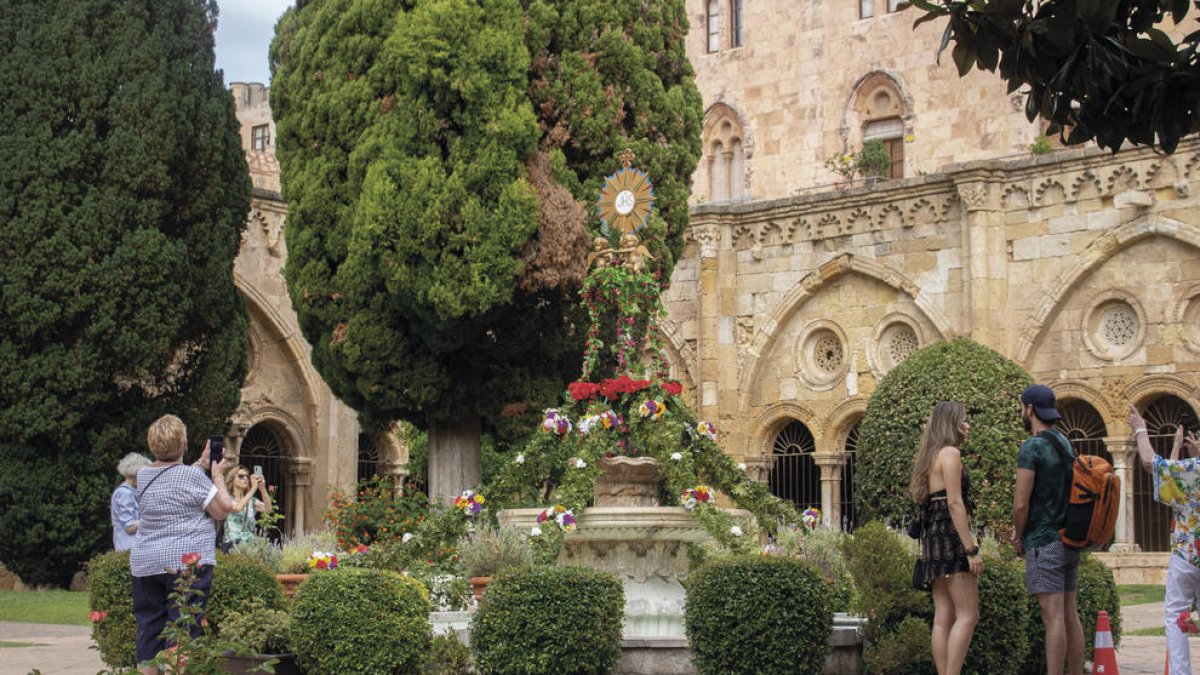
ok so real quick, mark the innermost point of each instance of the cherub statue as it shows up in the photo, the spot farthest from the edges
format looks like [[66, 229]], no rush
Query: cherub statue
[[601, 255], [633, 253]]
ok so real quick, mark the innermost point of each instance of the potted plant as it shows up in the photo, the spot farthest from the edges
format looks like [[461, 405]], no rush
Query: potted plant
[[262, 636], [294, 561], [486, 553]]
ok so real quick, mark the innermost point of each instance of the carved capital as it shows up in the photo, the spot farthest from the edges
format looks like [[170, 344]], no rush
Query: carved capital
[[709, 238], [973, 196]]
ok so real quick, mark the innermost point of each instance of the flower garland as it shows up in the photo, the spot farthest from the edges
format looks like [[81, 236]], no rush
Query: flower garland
[[469, 502]]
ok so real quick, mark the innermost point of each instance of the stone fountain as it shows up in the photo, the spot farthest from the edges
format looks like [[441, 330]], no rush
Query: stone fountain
[[644, 544]]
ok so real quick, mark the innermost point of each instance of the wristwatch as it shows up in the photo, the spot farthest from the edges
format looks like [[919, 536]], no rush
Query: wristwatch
[[974, 550]]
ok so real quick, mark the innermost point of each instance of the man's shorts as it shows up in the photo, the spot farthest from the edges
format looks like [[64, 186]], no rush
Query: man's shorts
[[1053, 568]]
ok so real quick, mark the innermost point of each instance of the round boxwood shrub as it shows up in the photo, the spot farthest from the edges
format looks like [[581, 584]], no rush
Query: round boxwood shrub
[[549, 620], [988, 384], [1001, 640], [1097, 591], [758, 615], [110, 590], [357, 620], [237, 579]]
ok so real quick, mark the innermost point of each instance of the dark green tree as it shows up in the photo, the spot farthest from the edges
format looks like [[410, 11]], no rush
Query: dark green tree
[[123, 193], [988, 384], [439, 159], [1098, 70]]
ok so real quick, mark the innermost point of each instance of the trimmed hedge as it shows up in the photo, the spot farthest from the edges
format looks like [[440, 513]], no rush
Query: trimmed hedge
[[988, 384], [355, 620], [110, 589], [1001, 640], [549, 620], [1097, 591], [238, 579], [758, 615], [898, 617]]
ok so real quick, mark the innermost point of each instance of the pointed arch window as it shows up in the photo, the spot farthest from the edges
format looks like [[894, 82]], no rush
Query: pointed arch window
[[794, 475], [725, 154]]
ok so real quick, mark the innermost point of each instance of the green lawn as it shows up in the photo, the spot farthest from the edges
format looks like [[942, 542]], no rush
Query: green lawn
[[17, 645], [64, 607], [1140, 594]]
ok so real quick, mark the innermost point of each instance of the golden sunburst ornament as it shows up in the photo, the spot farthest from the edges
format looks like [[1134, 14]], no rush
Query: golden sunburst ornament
[[626, 198]]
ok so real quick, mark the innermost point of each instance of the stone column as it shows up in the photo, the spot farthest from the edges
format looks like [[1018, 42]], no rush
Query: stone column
[[984, 262], [708, 320], [1125, 464], [831, 477], [300, 473]]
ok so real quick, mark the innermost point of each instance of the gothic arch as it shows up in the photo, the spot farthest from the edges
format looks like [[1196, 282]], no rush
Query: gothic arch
[[843, 417], [727, 153], [1082, 391], [297, 444], [675, 349], [809, 286], [1096, 254], [1152, 386], [760, 437], [288, 338]]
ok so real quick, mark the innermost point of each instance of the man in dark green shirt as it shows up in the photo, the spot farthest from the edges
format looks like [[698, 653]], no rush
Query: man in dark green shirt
[[1039, 509]]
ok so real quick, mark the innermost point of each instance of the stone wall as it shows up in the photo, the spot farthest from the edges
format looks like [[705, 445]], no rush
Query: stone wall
[[1081, 266]]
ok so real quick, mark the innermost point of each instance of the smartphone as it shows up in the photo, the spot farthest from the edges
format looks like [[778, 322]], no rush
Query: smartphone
[[216, 449], [257, 470]]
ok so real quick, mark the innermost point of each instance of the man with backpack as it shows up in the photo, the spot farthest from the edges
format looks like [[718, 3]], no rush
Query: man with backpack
[[1176, 484], [1044, 473]]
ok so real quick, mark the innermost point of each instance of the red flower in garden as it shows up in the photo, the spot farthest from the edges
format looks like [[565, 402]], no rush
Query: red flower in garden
[[190, 559], [673, 388], [321, 564], [97, 617], [581, 391], [361, 548]]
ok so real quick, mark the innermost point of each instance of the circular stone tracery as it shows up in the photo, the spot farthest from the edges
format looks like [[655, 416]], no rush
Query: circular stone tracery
[[899, 341]]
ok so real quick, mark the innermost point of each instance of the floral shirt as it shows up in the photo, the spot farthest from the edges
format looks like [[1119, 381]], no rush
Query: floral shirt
[[1177, 484]]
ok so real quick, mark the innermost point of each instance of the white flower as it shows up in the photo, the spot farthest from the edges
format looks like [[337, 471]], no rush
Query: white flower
[[520, 458], [536, 531], [741, 466], [676, 456], [406, 537], [735, 531], [580, 464]]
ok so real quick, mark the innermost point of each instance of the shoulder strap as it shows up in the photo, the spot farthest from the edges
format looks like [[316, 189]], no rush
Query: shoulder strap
[[1064, 454], [160, 475]]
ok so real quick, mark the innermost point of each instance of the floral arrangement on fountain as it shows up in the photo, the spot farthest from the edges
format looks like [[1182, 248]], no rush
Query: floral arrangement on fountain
[[559, 515], [625, 403], [469, 502], [322, 560]]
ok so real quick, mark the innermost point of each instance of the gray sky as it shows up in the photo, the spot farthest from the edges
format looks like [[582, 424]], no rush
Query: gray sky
[[244, 31]]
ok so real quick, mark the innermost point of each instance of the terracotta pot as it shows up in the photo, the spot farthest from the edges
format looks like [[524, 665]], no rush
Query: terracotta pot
[[244, 665], [290, 582], [478, 586]]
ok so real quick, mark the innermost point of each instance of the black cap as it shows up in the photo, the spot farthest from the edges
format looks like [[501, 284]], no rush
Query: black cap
[[1042, 399]]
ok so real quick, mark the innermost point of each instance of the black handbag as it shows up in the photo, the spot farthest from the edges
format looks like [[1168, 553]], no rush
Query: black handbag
[[918, 578]]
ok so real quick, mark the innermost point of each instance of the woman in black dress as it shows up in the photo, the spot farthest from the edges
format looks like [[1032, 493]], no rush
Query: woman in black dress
[[948, 547]]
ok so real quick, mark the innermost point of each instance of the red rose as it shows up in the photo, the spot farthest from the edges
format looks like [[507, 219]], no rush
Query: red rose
[[190, 559], [673, 388]]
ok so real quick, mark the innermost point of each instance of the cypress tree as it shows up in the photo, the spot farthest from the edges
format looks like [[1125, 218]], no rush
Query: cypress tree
[[123, 194], [440, 159]]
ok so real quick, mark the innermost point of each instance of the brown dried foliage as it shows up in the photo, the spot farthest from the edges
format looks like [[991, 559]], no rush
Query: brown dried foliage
[[555, 259]]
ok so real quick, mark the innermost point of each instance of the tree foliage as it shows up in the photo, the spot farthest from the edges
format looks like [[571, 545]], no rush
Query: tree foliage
[[437, 157], [1102, 70], [988, 384], [123, 193]]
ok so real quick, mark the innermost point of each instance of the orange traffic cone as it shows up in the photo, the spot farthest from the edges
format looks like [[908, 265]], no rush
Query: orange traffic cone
[[1104, 659]]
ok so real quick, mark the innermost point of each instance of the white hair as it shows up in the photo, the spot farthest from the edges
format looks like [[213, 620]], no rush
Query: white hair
[[132, 463]]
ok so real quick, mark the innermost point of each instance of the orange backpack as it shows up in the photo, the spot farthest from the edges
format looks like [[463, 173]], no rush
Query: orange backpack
[[1093, 502]]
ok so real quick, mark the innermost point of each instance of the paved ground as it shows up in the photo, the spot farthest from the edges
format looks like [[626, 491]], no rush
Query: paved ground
[[64, 650]]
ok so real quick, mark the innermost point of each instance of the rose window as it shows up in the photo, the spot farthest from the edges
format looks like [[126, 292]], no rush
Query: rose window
[[1119, 325], [827, 354], [898, 343]]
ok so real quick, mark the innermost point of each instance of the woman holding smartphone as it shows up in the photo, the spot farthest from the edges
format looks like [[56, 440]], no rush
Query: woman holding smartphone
[[240, 526]]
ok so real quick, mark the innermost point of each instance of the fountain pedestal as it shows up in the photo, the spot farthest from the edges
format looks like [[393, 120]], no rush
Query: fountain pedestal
[[628, 534]]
